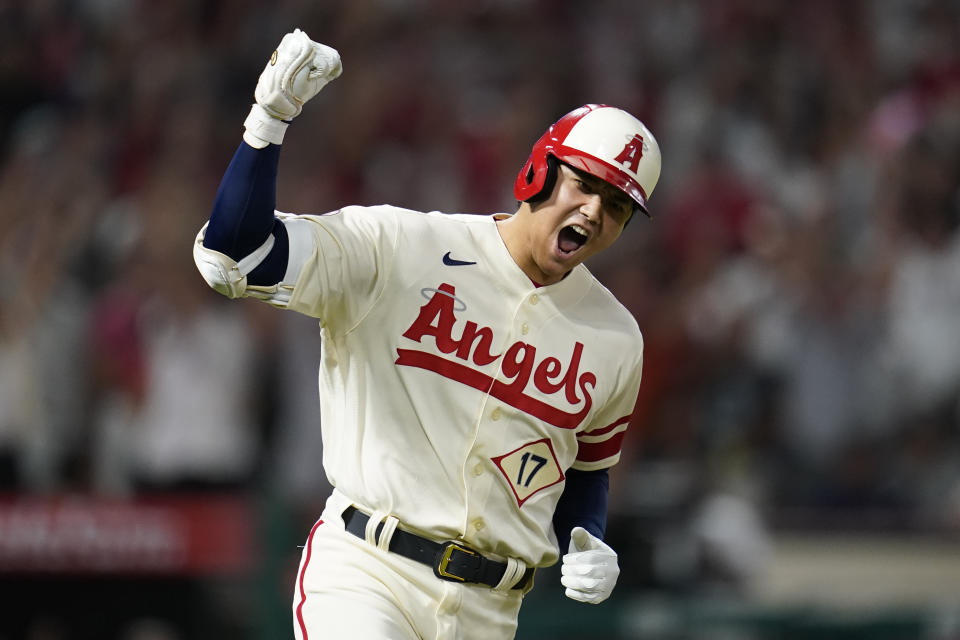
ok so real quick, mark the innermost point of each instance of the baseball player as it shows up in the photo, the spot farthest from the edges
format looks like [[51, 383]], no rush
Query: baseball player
[[475, 381]]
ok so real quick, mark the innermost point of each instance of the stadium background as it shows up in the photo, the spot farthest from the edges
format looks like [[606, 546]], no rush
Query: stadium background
[[793, 470]]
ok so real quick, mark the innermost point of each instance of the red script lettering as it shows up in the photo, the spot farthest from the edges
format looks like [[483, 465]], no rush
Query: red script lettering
[[518, 364]]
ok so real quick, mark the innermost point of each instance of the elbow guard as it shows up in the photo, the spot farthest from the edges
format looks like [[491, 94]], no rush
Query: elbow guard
[[224, 274]]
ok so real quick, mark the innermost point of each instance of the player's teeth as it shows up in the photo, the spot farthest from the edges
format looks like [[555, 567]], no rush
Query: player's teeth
[[579, 229]]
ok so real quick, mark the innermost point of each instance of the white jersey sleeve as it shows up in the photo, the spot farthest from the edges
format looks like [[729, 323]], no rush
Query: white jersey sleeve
[[337, 262], [599, 445]]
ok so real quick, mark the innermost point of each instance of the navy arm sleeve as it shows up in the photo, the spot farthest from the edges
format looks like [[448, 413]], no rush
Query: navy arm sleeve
[[243, 213], [583, 504]]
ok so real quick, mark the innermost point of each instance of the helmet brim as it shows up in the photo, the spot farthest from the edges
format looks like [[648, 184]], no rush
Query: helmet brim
[[605, 171]]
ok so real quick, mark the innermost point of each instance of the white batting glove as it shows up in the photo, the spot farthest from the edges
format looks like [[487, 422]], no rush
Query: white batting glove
[[590, 569], [298, 69]]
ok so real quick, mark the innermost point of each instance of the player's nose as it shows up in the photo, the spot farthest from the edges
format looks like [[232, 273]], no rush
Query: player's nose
[[591, 206]]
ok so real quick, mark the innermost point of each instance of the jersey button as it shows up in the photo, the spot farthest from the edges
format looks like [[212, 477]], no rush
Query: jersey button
[[478, 469], [534, 299], [479, 524], [495, 414], [524, 328]]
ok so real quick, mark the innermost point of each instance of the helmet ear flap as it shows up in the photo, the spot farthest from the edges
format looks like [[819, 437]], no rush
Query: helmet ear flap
[[549, 180]]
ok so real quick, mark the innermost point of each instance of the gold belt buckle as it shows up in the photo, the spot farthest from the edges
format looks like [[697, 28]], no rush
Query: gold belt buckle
[[440, 569]]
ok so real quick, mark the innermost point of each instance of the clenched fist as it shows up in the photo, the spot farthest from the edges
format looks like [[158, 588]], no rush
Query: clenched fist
[[297, 70], [590, 569]]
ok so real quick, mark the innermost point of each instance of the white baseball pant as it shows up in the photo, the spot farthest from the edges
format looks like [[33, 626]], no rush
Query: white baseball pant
[[349, 588]]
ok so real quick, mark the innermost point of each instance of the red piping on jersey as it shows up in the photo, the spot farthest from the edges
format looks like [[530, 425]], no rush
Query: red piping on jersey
[[303, 572], [610, 427], [596, 451]]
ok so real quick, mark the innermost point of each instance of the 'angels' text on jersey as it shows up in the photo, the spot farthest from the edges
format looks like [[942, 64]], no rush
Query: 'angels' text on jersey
[[519, 364]]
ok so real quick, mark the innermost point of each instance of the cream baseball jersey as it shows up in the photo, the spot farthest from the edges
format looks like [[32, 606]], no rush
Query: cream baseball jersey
[[455, 393]]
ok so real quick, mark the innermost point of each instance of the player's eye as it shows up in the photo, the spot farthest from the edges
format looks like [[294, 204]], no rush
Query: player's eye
[[619, 207]]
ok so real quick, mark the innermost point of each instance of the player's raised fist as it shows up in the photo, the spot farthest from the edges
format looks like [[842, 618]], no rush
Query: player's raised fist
[[297, 71]]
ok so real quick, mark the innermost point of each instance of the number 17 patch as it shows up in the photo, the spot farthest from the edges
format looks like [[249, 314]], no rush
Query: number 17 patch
[[530, 468]]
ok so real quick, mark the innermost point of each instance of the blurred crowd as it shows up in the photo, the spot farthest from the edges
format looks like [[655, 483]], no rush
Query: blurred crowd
[[798, 286]]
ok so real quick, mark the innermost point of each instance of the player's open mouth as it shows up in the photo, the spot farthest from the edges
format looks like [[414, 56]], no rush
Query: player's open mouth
[[571, 238]]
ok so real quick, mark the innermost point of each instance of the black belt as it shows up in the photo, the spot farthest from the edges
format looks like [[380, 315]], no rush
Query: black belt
[[451, 561]]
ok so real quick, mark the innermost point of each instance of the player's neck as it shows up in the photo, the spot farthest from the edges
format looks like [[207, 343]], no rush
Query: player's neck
[[518, 238]]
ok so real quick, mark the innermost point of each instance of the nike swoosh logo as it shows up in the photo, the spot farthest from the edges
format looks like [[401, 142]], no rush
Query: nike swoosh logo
[[453, 262]]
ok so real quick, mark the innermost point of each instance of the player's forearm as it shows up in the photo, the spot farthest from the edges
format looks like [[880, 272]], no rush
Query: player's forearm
[[243, 244], [583, 504], [242, 219], [589, 567]]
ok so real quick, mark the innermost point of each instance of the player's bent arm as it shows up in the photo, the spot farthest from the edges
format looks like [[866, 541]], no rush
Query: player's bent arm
[[247, 248], [226, 275], [244, 243], [244, 248]]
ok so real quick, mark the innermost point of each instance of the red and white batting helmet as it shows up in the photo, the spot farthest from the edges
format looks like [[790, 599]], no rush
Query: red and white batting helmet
[[601, 140]]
